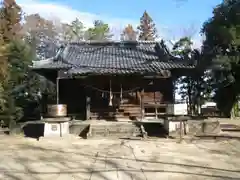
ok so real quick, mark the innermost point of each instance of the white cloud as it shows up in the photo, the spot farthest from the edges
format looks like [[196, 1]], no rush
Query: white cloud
[[67, 14]]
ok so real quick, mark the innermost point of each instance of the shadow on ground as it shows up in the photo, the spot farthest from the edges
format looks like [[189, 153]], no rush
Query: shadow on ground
[[33, 130], [64, 160]]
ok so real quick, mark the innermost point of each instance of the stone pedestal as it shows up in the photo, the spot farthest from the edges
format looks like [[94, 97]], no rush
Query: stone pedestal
[[56, 128]]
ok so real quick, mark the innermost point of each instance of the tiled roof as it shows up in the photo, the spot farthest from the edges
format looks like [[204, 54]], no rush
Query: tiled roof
[[113, 58]]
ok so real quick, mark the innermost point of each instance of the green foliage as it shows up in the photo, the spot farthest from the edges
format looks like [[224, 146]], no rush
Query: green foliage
[[75, 31], [100, 32], [23, 88], [147, 29], [194, 87], [222, 49], [10, 27], [183, 47], [19, 61]]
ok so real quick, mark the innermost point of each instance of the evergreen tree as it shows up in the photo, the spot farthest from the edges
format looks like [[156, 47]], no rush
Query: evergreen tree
[[147, 29], [16, 84], [194, 87], [19, 60], [100, 32], [10, 17], [221, 49], [75, 31], [3, 72], [129, 34]]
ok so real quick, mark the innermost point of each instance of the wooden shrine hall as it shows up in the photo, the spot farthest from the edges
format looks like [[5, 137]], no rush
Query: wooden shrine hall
[[114, 80]]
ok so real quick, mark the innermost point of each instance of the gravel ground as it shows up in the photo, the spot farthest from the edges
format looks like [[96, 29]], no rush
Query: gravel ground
[[109, 159]]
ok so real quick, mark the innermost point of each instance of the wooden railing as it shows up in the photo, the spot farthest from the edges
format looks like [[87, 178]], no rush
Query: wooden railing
[[152, 108]]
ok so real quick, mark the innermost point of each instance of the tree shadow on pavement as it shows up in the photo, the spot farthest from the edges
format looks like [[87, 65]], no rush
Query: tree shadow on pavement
[[84, 162]]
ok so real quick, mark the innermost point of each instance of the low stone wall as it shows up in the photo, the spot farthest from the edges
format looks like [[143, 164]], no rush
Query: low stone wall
[[204, 127], [191, 127], [77, 129], [174, 126], [194, 127], [118, 129], [35, 129]]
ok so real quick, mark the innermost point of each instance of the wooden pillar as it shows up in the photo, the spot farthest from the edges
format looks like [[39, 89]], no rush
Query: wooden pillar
[[156, 111], [88, 110], [181, 131], [154, 96], [173, 89], [57, 90], [57, 87], [142, 104]]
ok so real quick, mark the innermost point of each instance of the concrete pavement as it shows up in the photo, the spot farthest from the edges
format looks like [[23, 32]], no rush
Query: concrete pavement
[[109, 159]]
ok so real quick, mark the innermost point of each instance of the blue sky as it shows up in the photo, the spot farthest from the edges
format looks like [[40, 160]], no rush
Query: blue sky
[[168, 12], [170, 16]]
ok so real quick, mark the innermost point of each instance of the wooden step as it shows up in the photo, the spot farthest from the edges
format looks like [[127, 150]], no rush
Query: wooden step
[[153, 114], [126, 113], [130, 110], [119, 116], [110, 109], [104, 113], [155, 105], [116, 117], [121, 109], [110, 116], [130, 105]]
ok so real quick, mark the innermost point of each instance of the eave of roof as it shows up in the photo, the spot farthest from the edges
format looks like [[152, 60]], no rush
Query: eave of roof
[[109, 58]]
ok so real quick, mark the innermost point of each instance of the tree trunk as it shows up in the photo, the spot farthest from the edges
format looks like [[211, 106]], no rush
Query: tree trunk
[[198, 97], [190, 98]]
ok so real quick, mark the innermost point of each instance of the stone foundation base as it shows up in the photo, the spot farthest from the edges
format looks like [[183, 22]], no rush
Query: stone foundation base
[[56, 129]]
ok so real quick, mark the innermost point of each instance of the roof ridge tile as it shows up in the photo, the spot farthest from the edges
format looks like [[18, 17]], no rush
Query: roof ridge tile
[[95, 42]]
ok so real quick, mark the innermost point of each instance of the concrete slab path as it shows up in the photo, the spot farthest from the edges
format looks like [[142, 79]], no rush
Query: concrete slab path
[[109, 159]]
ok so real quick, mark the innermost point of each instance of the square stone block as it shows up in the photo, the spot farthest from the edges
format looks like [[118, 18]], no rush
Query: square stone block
[[56, 129]]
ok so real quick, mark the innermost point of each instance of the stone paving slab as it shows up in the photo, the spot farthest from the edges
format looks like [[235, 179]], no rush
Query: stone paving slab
[[113, 159]]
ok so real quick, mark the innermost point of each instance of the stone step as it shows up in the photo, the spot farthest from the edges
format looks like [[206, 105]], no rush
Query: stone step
[[120, 130], [230, 127], [116, 115]]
